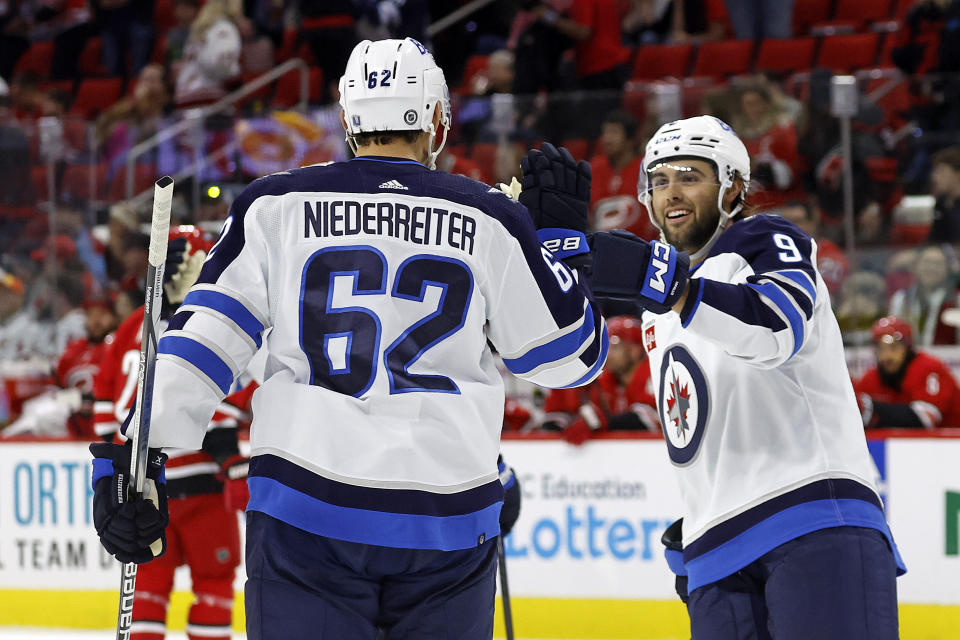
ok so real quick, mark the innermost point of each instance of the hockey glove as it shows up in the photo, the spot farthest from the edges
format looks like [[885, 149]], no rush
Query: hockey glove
[[672, 539], [236, 494], [627, 268], [131, 531], [511, 497], [556, 188]]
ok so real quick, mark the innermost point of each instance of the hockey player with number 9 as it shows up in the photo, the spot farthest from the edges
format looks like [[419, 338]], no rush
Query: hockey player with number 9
[[375, 497], [783, 531]]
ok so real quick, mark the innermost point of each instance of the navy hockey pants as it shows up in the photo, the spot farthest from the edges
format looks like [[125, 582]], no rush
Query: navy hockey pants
[[301, 585], [831, 584]]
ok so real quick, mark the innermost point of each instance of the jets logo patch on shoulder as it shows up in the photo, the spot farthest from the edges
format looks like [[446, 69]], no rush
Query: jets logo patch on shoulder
[[684, 403]]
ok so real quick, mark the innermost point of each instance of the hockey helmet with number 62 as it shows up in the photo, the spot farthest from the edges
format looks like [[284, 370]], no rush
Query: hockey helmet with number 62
[[394, 85]]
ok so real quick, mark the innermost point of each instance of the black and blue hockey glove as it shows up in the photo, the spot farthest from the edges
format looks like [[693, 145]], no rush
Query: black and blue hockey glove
[[511, 497], [556, 188], [629, 270], [131, 531]]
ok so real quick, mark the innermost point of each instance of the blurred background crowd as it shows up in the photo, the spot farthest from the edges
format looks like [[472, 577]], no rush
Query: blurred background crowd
[[98, 98]]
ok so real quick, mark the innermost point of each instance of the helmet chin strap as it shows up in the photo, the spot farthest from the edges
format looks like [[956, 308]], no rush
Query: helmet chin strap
[[722, 221], [433, 153]]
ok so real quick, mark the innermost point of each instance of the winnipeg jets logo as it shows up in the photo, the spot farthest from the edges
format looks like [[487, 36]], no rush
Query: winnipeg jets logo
[[684, 403], [678, 404]]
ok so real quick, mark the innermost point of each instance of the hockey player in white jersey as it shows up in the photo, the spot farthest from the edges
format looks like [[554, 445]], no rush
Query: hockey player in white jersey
[[374, 490], [783, 532]]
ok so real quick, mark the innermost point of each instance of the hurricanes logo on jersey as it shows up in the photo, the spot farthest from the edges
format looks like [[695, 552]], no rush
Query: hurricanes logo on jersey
[[684, 402]]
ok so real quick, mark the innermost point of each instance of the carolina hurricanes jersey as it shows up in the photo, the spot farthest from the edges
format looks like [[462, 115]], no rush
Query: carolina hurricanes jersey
[[757, 408], [928, 387], [189, 471], [76, 369], [606, 398], [381, 281], [613, 199]]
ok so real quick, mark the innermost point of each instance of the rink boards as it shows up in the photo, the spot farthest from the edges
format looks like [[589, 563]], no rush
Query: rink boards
[[584, 560]]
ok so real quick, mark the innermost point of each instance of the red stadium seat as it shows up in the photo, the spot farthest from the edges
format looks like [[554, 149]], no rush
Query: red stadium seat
[[91, 59], [785, 54], [725, 58], [37, 59], [862, 11], [930, 42], [76, 181], [848, 52], [144, 176], [96, 94], [635, 96], [288, 88], [38, 175], [807, 13], [655, 61]]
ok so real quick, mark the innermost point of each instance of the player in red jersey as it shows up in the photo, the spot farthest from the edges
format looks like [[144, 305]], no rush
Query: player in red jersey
[[613, 196], [907, 388], [204, 488], [620, 399], [80, 363]]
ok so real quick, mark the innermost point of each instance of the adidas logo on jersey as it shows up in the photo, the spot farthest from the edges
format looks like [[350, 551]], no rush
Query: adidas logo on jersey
[[393, 184]]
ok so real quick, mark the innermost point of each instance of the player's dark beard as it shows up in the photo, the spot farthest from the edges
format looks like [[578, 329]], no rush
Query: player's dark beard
[[697, 235], [894, 379]]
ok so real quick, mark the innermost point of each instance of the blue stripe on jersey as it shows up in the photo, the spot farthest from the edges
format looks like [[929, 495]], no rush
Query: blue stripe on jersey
[[675, 562], [562, 347], [688, 311], [598, 363], [739, 303], [200, 356], [409, 501], [776, 295], [801, 280], [385, 529], [229, 307], [780, 528]]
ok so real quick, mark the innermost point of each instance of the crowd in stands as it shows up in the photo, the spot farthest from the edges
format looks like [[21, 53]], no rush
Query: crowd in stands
[[84, 81]]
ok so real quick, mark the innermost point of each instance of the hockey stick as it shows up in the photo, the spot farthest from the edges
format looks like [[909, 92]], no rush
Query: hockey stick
[[140, 424], [504, 589]]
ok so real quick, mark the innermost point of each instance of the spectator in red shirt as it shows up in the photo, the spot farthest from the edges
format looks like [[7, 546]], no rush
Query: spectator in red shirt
[[613, 196], [907, 388], [620, 399], [770, 136]]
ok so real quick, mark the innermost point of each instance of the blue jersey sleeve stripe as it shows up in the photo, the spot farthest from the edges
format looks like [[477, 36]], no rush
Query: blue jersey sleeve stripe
[[675, 561], [200, 356], [229, 307], [557, 349], [801, 279], [397, 530], [686, 316], [789, 309], [740, 303], [595, 369], [790, 289]]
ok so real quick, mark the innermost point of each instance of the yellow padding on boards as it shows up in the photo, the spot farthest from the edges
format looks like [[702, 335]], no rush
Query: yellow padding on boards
[[532, 617]]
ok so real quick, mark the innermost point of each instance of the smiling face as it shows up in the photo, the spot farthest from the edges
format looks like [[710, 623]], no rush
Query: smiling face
[[684, 200]]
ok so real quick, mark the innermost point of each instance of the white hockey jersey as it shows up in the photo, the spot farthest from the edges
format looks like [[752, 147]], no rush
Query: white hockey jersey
[[379, 417], [756, 403]]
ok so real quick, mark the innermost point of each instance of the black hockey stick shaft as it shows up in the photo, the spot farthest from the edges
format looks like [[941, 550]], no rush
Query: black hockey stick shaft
[[140, 424], [504, 589]]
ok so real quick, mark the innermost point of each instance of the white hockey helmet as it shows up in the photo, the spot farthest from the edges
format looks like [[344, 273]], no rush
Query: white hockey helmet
[[702, 137], [394, 85]]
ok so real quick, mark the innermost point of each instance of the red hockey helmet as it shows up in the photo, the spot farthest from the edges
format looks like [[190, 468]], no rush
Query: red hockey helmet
[[626, 329], [892, 329]]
